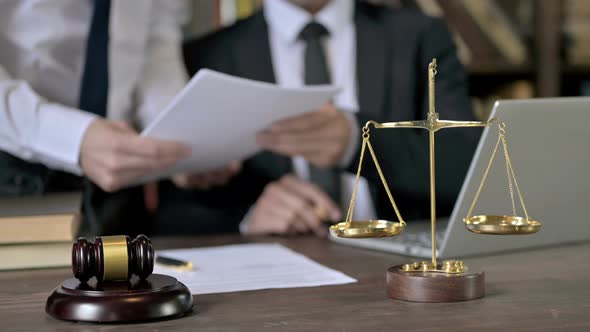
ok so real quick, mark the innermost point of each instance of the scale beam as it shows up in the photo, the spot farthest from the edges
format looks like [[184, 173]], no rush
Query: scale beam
[[434, 125]]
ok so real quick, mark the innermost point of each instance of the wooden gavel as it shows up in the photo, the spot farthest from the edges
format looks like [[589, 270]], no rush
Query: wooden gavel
[[112, 258]]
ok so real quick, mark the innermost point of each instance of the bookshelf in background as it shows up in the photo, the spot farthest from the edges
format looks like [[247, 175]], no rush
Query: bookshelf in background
[[491, 43], [519, 49], [576, 30], [511, 49], [209, 15]]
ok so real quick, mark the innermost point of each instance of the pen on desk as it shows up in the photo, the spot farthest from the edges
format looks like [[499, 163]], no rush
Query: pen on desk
[[174, 263]]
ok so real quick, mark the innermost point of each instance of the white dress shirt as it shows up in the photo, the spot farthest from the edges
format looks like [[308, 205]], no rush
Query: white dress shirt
[[42, 53], [285, 22]]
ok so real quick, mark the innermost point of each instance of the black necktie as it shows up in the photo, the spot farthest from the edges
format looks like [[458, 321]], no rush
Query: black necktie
[[94, 86], [93, 98], [95, 80], [316, 72]]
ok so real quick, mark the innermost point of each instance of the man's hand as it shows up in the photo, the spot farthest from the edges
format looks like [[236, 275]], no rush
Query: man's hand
[[114, 155], [218, 177], [321, 137], [292, 206]]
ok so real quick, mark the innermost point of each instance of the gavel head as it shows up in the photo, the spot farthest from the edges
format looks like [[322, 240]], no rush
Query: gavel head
[[112, 258]]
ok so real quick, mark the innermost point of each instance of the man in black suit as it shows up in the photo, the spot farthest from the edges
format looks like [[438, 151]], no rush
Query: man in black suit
[[379, 57]]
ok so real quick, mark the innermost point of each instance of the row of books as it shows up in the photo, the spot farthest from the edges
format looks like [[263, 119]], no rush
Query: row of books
[[482, 29], [487, 32], [37, 232], [577, 30]]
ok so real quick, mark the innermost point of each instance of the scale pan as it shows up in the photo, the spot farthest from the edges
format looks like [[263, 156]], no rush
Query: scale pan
[[501, 225], [367, 229]]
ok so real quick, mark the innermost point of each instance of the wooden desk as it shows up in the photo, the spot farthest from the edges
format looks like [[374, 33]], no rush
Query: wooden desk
[[542, 290]]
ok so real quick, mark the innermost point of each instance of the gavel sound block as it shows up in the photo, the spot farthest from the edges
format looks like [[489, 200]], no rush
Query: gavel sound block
[[114, 283]]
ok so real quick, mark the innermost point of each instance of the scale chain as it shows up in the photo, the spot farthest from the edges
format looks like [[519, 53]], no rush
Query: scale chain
[[509, 173], [502, 133], [399, 217], [509, 162], [358, 176], [366, 142], [483, 180]]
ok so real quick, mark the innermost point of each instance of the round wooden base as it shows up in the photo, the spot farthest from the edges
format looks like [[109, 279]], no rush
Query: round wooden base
[[434, 287], [157, 297]]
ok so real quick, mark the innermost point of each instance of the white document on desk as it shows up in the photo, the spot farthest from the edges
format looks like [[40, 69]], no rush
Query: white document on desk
[[218, 115], [249, 267]]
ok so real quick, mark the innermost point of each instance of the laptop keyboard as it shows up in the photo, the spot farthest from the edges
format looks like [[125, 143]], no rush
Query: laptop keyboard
[[421, 239]]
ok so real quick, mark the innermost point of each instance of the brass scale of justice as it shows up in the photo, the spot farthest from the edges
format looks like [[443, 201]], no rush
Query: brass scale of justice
[[430, 281]]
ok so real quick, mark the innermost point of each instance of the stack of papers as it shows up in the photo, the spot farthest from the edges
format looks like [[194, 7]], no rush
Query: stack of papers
[[218, 115], [249, 267]]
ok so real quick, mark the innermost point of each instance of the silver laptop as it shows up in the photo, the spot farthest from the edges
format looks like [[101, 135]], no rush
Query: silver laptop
[[549, 145]]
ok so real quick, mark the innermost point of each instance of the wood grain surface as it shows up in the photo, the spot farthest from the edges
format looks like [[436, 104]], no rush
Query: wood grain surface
[[541, 290]]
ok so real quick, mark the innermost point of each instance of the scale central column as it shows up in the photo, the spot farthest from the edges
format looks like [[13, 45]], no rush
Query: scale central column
[[432, 199]]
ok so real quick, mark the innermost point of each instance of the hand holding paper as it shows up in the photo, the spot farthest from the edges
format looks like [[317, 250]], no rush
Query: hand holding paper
[[113, 155], [321, 136]]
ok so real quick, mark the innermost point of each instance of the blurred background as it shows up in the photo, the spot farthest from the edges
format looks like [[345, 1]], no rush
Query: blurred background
[[511, 48]]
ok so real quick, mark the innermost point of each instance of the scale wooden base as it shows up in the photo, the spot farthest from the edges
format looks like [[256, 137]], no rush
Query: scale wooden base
[[157, 297], [434, 286]]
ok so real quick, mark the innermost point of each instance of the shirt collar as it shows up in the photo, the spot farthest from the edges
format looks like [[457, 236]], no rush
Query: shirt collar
[[288, 19]]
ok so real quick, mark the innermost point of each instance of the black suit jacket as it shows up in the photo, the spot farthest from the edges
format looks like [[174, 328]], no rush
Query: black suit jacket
[[394, 48]]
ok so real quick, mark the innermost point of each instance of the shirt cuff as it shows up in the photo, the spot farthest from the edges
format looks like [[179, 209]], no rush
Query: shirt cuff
[[59, 136], [246, 221], [354, 139]]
